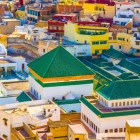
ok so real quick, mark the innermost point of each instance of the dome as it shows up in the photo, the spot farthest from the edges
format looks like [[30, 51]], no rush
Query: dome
[[3, 50]]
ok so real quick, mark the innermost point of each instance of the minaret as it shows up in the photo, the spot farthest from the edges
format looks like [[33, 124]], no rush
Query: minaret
[[60, 41]]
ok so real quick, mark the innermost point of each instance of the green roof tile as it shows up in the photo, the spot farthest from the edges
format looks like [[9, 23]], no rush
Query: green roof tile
[[59, 63], [125, 75], [23, 97], [101, 71], [130, 66], [137, 61], [121, 90], [114, 54]]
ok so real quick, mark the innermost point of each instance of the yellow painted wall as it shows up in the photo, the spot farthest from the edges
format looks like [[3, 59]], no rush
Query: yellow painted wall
[[56, 132], [103, 9], [41, 24], [132, 133], [126, 43], [71, 31], [73, 136], [20, 14], [3, 40]]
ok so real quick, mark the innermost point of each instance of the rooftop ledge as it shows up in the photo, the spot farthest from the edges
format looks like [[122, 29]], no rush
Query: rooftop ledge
[[92, 103]]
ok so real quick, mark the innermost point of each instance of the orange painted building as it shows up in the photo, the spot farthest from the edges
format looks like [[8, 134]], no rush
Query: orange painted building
[[63, 8]]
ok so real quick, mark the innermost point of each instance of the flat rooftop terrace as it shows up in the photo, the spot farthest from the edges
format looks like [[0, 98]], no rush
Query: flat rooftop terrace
[[27, 58], [92, 103], [16, 85], [3, 61]]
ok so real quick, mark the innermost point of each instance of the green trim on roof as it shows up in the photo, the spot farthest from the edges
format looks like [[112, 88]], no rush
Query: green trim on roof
[[63, 102], [130, 66], [101, 62], [23, 97], [137, 61], [121, 90], [114, 54], [59, 63], [103, 72], [125, 75], [108, 114], [55, 84]]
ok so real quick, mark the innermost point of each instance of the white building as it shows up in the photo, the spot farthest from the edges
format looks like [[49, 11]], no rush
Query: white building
[[79, 50], [106, 115], [55, 74], [35, 113]]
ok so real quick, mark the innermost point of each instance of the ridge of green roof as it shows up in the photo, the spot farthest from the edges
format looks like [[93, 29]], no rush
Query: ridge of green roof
[[59, 63], [101, 71], [130, 66], [23, 97], [137, 61], [114, 53], [121, 90]]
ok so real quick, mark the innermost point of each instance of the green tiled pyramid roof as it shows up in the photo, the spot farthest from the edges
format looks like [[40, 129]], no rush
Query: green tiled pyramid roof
[[121, 90], [59, 63], [23, 97], [114, 54]]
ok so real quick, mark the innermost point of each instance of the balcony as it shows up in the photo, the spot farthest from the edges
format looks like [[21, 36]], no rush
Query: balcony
[[92, 33]]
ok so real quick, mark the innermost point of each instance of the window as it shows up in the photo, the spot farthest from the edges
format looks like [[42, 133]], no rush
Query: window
[[95, 43], [120, 47], [120, 38], [111, 46], [92, 125], [96, 128], [48, 110], [116, 130], [124, 129], [112, 104], [106, 131], [116, 104], [135, 102], [111, 130], [44, 50], [139, 102], [5, 121], [96, 52], [137, 43], [120, 130], [87, 120], [103, 42], [120, 103], [131, 102], [127, 102], [123, 103], [110, 38], [137, 11], [54, 28], [59, 28], [76, 138]]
